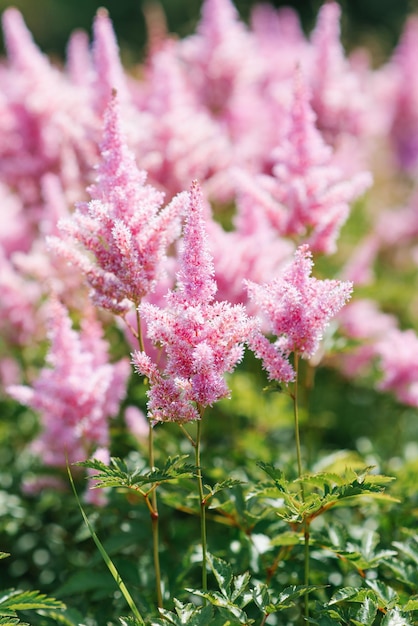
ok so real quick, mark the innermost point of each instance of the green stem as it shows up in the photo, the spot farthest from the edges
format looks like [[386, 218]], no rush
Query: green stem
[[139, 327], [154, 505], [154, 523], [302, 489], [202, 501]]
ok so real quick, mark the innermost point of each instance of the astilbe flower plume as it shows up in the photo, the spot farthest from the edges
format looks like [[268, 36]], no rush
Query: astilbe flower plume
[[338, 99], [43, 118], [123, 232], [76, 392], [398, 353], [298, 308], [306, 195], [403, 94], [202, 338]]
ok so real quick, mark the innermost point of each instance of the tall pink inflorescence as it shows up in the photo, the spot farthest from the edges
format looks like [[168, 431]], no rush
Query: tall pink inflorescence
[[338, 98], [398, 353], [76, 393], [120, 238], [298, 308], [202, 338], [404, 94], [307, 195]]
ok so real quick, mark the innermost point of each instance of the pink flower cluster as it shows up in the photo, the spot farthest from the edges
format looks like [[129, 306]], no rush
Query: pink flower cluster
[[298, 308], [202, 338], [282, 139], [76, 392], [123, 227]]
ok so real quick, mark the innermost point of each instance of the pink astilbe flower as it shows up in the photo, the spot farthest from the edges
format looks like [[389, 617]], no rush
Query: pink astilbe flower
[[298, 308], [109, 71], [306, 195], [202, 338], [185, 142], [44, 118], [123, 227], [363, 323], [403, 86], [76, 393], [398, 352], [19, 298], [338, 99], [214, 55]]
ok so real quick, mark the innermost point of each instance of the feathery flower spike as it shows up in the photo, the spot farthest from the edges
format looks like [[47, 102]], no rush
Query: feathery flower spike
[[202, 338], [123, 227], [299, 307]]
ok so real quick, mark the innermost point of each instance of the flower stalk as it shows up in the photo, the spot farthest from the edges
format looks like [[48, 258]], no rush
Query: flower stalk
[[295, 398]]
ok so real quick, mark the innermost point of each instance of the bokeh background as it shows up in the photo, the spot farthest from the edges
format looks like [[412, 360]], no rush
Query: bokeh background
[[374, 23]]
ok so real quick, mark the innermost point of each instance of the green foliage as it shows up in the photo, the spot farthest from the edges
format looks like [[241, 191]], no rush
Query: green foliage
[[117, 473], [13, 601]]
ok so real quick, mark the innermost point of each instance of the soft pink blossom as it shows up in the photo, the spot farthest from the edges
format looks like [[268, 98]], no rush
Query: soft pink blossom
[[338, 96], [398, 353], [298, 307], [202, 338], [120, 238], [76, 392], [307, 195], [365, 326]]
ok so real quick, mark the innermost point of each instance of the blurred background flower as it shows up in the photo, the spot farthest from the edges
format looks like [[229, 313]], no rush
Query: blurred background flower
[[375, 23]]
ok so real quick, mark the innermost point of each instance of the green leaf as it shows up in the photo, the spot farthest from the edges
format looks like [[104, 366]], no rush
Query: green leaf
[[4, 555], [117, 473], [367, 612], [349, 594], [129, 621], [186, 614], [225, 484], [261, 597], [395, 618], [239, 585], [288, 597], [15, 600], [12, 621], [223, 573], [386, 596], [411, 605], [409, 548], [226, 607]]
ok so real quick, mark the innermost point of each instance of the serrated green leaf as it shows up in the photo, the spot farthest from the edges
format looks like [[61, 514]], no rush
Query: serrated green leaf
[[367, 612], [386, 596], [349, 594], [118, 475], [15, 600], [411, 605], [239, 585], [13, 621], [404, 572], [288, 597], [226, 606], [409, 548], [192, 615], [129, 621], [225, 484], [222, 572], [395, 618], [261, 596]]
